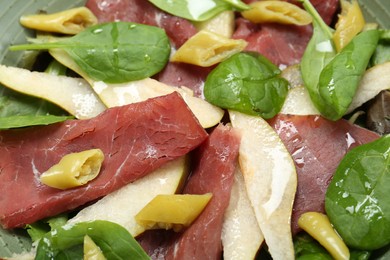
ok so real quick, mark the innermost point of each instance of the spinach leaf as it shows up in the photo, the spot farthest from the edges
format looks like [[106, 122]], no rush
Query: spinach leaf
[[340, 78], [66, 241], [40, 228], [198, 10], [249, 83], [114, 52], [13, 103], [357, 199], [30, 120], [306, 247], [382, 52], [319, 52]]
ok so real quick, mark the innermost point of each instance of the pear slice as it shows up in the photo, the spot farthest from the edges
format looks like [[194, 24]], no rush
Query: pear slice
[[72, 94], [270, 179], [137, 91], [122, 206], [374, 80], [241, 234]]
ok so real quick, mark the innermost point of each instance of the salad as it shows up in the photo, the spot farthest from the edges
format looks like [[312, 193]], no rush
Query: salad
[[197, 129]]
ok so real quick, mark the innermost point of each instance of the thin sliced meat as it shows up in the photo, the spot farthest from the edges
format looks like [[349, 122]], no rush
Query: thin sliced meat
[[214, 172], [281, 44], [178, 29], [317, 146], [135, 139], [181, 74]]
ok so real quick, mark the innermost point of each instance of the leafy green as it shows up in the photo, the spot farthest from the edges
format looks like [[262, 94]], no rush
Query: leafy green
[[357, 198], [382, 52], [340, 78], [306, 247], [319, 52], [30, 120], [114, 52], [198, 10], [66, 242], [332, 79], [249, 83], [14, 104], [13, 242], [40, 228]]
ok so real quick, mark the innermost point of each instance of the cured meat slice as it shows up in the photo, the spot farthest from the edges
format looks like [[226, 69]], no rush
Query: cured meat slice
[[181, 74], [281, 44], [215, 165], [178, 29], [317, 146], [135, 139]]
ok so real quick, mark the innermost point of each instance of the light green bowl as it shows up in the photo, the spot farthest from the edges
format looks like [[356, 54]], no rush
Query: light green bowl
[[11, 32]]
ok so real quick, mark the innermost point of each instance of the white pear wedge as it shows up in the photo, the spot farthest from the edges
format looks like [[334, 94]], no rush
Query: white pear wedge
[[270, 179], [140, 90], [241, 234], [72, 94], [122, 205], [374, 80]]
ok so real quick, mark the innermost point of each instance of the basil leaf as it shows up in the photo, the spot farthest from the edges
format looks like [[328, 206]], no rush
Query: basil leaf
[[340, 78], [357, 199], [249, 83], [114, 241], [115, 52], [30, 120], [197, 10], [319, 52]]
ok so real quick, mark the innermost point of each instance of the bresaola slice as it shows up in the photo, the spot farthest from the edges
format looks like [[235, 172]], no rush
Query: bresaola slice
[[216, 160], [178, 29], [317, 146], [136, 139]]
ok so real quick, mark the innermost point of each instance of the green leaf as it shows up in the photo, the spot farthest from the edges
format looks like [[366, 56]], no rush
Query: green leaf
[[14, 242], [194, 10], [40, 228], [65, 242], [357, 199], [13, 103], [340, 78], [249, 83], [30, 120], [382, 52], [115, 52], [319, 52], [306, 247]]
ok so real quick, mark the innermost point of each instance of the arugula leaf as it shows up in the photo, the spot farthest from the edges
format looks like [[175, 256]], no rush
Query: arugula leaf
[[357, 197], [66, 242], [114, 52], [198, 10], [30, 120], [249, 83]]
